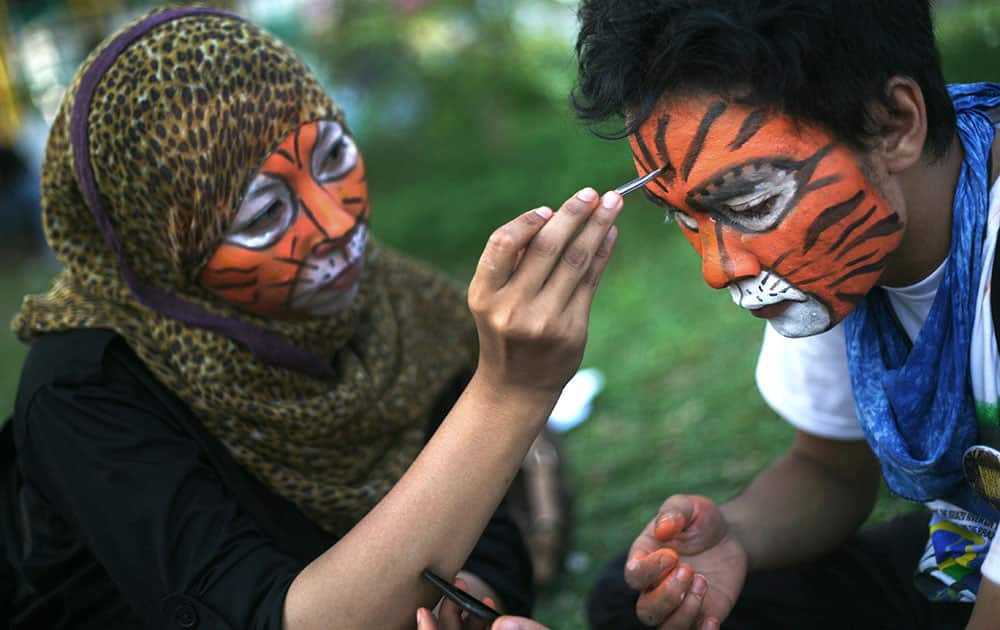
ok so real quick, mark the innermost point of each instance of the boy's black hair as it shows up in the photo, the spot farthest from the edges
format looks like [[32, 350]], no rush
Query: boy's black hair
[[821, 61]]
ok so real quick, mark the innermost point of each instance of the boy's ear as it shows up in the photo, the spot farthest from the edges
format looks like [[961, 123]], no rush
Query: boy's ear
[[903, 129]]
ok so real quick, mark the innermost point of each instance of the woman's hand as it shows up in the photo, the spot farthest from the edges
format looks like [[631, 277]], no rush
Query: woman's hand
[[533, 288], [449, 616], [531, 298], [426, 621]]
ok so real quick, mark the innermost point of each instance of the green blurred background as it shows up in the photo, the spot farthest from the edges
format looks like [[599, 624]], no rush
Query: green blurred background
[[461, 110]]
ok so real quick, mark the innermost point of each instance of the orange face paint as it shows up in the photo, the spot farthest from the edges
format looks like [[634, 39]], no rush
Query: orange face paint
[[295, 248], [780, 212]]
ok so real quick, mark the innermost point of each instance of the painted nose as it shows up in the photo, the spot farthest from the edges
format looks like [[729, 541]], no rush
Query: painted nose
[[725, 258], [326, 211]]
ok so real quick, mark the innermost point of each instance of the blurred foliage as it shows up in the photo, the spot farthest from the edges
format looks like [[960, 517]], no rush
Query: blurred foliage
[[969, 39], [450, 66]]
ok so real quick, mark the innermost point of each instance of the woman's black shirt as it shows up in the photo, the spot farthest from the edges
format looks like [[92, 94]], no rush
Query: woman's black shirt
[[120, 511]]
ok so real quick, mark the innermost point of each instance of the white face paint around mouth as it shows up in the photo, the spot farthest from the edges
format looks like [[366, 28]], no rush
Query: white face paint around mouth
[[320, 288], [805, 316]]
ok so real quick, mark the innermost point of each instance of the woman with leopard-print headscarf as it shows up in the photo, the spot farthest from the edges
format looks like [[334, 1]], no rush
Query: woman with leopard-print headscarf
[[223, 419]]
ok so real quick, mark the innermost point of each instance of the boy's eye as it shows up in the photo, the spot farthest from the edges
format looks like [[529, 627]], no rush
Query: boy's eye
[[684, 220], [754, 196]]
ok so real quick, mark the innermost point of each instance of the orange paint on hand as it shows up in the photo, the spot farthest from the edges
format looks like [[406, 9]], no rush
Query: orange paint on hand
[[668, 526]]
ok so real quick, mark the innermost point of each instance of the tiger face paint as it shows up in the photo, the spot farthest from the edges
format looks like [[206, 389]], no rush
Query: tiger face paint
[[295, 248], [780, 212]]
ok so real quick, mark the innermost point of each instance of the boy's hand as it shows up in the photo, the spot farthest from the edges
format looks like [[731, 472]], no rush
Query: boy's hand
[[685, 565]]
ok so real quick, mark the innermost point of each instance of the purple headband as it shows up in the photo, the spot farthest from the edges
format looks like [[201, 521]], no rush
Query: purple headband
[[268, 347]]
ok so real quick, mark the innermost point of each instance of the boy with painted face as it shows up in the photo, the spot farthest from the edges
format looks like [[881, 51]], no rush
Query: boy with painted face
[[812, 154]]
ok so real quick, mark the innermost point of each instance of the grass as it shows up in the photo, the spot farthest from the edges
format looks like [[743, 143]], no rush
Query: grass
[[680, 411]]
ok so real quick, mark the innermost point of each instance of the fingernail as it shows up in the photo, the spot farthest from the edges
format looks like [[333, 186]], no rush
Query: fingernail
[[544, 212], [505, 623], [699, 586], [711, 624], [611, 200], [667, 560], [632, 565], [682, 573], [587, 195]]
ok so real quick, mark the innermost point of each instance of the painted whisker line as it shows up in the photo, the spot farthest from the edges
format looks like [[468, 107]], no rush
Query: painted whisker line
[[297, 263], [774, 266]]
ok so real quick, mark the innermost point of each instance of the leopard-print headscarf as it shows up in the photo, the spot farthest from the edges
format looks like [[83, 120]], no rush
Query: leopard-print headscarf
[[185, 105]]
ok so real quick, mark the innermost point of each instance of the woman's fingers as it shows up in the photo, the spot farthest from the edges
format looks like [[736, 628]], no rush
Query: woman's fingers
[[583, 296], [503, 250], [450, 616], [425, 620], [516, 623], [581, 252], [546, 249]]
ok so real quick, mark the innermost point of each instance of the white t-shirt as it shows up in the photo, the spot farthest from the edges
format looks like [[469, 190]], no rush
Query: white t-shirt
[[807, 381]]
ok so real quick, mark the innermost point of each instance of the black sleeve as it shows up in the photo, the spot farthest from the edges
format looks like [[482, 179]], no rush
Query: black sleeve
[[152, 511], [501, 556], [501, 559]]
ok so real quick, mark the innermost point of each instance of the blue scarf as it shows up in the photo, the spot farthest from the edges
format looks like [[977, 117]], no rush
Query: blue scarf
[[915, 404]]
